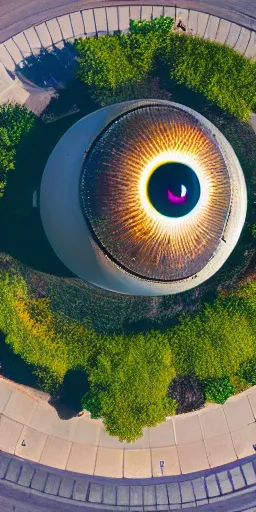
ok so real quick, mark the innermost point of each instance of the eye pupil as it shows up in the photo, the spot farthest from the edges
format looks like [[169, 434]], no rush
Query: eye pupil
[[173, 189]]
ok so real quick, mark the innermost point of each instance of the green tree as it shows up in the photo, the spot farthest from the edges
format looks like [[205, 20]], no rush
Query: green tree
[[130, 376], [15, 124]]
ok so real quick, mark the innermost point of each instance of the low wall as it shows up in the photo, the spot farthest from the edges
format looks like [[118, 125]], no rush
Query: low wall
[[103, 20]]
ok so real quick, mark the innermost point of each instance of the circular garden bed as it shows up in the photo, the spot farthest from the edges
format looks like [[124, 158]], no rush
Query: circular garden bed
[[132, 360]]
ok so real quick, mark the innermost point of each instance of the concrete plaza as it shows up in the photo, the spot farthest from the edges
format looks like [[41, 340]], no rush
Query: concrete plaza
[[211, 437]]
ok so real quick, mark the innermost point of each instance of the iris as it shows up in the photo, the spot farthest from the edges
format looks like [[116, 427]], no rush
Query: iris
[[173, 189]]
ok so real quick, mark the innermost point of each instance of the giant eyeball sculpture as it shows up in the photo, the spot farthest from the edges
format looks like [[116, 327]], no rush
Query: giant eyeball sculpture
[[144, 197]]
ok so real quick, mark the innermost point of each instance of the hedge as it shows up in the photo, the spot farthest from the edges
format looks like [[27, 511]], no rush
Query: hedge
[[50, 342], [129, 375], [15, 124], [223, 76]]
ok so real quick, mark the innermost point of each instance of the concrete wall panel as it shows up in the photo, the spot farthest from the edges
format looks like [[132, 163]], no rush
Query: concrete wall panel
[[202, 23], [77, 23], [112, 18], [212, 28]]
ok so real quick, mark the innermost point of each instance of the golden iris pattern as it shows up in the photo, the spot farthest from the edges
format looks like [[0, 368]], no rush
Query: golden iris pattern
[[114, 193]]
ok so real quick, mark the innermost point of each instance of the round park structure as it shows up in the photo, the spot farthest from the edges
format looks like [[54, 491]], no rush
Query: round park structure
[[127, 256]]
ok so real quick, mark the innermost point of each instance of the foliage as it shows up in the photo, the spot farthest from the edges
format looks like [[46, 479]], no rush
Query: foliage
[[7, 154], [161, 25], [223, 76], [213, 343], [91, 402], [188, 393], [47, 341], [17, 120], [130, 376], [109, 62], [15, 124], [218, 390], [239, 384], [247, 371]]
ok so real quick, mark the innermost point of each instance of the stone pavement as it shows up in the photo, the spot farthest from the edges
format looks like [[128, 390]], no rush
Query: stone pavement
[[52, 34], [204, 439], [229, 488]]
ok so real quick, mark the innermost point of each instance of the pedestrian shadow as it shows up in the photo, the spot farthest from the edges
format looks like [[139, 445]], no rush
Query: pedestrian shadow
[[67, 401]]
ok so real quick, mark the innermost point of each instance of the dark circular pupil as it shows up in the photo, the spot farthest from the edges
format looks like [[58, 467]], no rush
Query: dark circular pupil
[[173, 189]]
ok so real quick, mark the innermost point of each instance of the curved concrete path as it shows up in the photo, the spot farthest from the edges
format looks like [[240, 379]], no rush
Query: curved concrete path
[[38, 488], [114, 15], [18, 15], [187, 443]]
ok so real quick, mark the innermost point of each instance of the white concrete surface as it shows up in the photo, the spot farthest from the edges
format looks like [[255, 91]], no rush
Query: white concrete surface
[[212, 28], [88, 17], [206, 438], [54, 29], [44, 35], [101, 20], [193, 22], [65, 27], [112, 19], [124, 17], [77, 23], [182, 14], [223, 31], [233, 35], [33, 40]]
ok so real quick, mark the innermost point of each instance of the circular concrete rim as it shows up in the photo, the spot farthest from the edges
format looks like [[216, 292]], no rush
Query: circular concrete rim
[[71, 239]]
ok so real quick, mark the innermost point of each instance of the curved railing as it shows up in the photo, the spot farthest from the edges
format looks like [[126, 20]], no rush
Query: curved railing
[[53, 33]]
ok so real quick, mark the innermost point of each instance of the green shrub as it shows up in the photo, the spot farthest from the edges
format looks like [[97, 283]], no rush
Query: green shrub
[[218, 390], [15, 124], [239, 384], [7, 155], [45, 340], [213, 343], [130, 377], [109, 62], [247, 371], [91, 403], [223, 76], [162, 25], [17, 120]]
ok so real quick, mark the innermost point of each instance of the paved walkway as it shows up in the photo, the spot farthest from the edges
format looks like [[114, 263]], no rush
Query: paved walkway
[[18, 15], [229, 488], [192, 442], [51, 34]]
